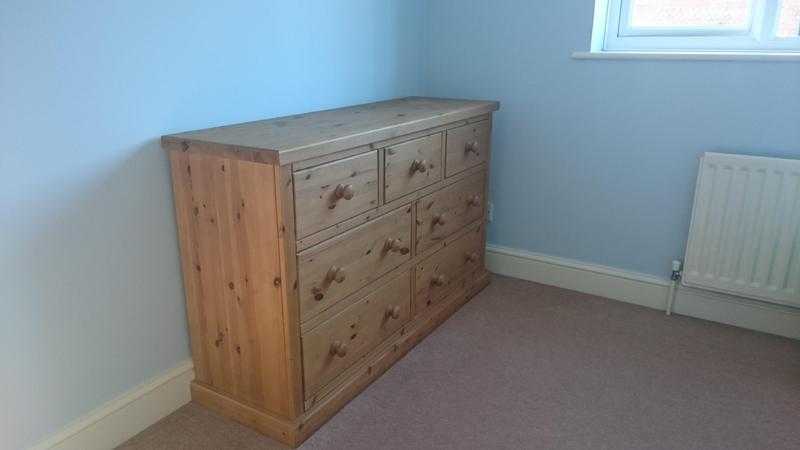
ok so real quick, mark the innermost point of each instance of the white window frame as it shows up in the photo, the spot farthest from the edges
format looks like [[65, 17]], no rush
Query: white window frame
[[758, 36]]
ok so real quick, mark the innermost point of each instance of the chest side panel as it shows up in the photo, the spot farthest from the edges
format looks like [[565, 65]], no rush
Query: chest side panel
[[230, 250]]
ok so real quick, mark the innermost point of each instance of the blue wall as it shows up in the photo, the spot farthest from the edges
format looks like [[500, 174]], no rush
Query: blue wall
[[91, 290], [596, 160], [593, 160]]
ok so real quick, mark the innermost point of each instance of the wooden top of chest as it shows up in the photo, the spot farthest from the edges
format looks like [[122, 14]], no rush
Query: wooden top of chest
[[285, 140]]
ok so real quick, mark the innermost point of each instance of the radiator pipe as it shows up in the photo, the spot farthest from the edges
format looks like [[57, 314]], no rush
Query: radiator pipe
[[673, 287]]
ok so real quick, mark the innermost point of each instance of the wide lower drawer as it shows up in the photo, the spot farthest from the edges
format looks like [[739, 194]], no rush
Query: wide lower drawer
[[442, 272], [327, 194], [342, 340], [442, 213], [467, 147], [335, 269]]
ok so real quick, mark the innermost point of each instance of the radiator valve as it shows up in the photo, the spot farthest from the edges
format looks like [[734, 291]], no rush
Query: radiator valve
[[677, 268]]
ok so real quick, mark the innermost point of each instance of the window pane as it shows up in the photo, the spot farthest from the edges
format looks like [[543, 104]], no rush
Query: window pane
[[789, 20], [690, 13]]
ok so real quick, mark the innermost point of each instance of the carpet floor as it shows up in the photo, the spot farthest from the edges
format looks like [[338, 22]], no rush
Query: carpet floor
[[527, 366]]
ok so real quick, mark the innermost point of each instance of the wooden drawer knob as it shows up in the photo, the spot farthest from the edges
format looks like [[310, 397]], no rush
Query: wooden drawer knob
[[439, 280], [475, 200], [419, 166], [339, 349], [344, 191], [473, 147], [393, 312], [336, 273], [395, 245], [440, 219], [473, 257]]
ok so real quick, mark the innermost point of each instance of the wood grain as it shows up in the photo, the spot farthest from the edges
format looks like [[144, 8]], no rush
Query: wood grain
[[283, 430], [316, 201], [360, 327], [293, 432], [442, 213], [317, 249], [295, 138], [451, 265], [315, 320], [384, 357], [345, 225], [361, 255], [289, 286], [467, 146], [231, 259], [412, 165]]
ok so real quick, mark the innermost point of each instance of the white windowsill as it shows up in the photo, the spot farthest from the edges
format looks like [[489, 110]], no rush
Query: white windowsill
[[692, 56]]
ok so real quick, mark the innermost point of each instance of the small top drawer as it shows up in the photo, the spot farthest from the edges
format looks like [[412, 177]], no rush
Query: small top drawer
[[467, 146], [335, 269], [442, 213], [327, 194], [340, 341], [413, 165]]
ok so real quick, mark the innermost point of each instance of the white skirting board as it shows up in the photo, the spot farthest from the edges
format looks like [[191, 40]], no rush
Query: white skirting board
[[644, 290], [122, 418]]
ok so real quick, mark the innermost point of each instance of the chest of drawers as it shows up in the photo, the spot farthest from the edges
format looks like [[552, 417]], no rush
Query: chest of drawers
[[317, 249]]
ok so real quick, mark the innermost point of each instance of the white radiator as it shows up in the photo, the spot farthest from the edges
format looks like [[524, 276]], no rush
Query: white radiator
[[745, 233]]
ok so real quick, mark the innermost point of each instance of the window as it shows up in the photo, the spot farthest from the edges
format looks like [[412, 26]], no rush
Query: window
[[702, 25]]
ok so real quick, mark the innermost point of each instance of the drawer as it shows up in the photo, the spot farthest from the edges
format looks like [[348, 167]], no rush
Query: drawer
[[467, 146], [340, 341], [442, 213], [449, 268], [327, 194], [332, 270], [413, 165]]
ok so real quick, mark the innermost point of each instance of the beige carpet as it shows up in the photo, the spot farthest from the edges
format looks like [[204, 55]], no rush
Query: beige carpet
[[526, 366]]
